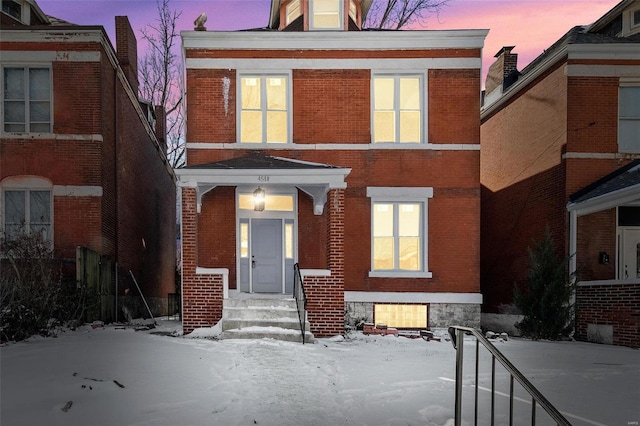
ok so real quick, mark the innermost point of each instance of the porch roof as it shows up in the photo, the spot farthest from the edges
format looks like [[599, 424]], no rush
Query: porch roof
[[257, 169], [617, 188]]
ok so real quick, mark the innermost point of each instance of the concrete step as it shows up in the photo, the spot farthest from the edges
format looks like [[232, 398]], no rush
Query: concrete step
[[290, 324], [260, 313], [267, 333], [264, 303]]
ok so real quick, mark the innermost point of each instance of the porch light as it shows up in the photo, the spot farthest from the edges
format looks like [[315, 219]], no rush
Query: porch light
[[258, 199]]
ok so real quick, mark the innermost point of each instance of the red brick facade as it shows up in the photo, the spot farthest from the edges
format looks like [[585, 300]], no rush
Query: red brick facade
[[331, 116], [112, 190], [549, 135]]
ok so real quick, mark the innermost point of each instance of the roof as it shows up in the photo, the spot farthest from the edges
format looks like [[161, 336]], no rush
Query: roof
[[623, 178], [257, 161]]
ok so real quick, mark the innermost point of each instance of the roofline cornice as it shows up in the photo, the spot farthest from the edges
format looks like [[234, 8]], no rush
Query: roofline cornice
[[338, 40], [573, 51]]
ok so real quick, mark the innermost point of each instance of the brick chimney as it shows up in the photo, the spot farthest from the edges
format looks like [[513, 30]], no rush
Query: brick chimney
[[127, 51], [161, 126], [503, 72]]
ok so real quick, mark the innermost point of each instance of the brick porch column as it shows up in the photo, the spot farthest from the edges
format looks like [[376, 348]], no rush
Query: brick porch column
[[325, 294], [201, 293]]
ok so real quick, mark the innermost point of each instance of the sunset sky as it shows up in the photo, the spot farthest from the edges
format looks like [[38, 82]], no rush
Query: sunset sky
[[530, 25]]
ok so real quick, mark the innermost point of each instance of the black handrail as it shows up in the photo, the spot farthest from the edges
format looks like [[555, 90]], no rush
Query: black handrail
[[301, 299], [457, 334]]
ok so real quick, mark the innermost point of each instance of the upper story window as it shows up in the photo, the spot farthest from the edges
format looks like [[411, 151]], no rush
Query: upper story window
[[292, 11], [397, 108], [27, 99], [264, 109], [629, 119], [12, 8], [326, 14]]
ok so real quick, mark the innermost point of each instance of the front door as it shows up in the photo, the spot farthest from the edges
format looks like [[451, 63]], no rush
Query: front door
[[630, 259], [266, 255]]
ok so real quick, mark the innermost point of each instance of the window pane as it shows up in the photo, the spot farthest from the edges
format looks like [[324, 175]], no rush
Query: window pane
[[382, 220], [325, 6], [276, 93], [251, 126], [39, 84], [283, 203], [276, 127], [383, 89], [383, 253], [14, 209], [14, 112], [326, 21], [409, 254], [409, 126], [384, 126], [14, 83], [410, 93], [40, 207], [288, 240], [250, 90], [244, 240], [409, 220], [401, 316], [39, 111], [629, 136], [326, 13], [14, 127], [630, 102]]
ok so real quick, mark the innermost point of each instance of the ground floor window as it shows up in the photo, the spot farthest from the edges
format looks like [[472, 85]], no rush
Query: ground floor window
[[401, 316], [399, 229], [26, 210]]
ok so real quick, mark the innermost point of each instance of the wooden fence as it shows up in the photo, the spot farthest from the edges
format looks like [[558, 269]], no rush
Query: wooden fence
[[95, 274]]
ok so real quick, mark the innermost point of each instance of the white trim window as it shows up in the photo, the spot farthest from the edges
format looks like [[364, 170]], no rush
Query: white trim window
[[629, 119], [26, 211], [26, 99], [399, 231], [264, 109], [398, 108], [325, 14]]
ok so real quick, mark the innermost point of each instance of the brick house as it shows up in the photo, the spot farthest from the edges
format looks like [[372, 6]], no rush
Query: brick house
[[363, 148], [81, 159], [561, 148]]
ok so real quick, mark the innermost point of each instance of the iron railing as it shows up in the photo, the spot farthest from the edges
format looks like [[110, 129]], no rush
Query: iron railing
[[457, 334], [301, 299]]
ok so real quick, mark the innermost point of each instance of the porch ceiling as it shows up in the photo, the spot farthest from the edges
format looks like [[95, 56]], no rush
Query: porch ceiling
[[314, 179]]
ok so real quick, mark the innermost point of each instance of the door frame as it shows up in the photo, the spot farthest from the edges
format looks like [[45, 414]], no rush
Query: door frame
[[246, 216], [620, 251]]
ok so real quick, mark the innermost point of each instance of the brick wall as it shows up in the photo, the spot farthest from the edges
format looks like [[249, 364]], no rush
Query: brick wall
[[596, 233], [615, 305]]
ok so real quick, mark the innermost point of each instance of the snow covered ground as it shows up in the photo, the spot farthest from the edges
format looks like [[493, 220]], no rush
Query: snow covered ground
[[117, 376]]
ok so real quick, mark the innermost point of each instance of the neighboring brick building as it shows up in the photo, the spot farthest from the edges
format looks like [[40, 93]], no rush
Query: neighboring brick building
[[79, 156], [366, 144], [560, 149]]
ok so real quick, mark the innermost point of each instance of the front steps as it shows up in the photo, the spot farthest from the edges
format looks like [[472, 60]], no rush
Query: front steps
[[262, 318]]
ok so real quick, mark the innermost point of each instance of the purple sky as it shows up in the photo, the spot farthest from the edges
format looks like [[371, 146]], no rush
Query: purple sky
[[530, 25]]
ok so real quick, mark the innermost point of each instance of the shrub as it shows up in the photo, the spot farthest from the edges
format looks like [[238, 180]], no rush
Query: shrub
[[34, 297], [546, 303]]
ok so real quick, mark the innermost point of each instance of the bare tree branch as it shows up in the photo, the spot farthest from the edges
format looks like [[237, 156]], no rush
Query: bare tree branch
[[160, 76], [397, 14]]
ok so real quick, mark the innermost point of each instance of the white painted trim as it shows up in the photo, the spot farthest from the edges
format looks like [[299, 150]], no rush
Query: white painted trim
[[580, 70], [77, 191], [337, 146], [334, 40], [385, 64], [48, 56], [400, 274], [26, 182], [315, 273], [606, 201], [52, 35], [399, 193], [599, 156], [52, 136], [411, 297], [217, 271], [604, 51], [607, 282]]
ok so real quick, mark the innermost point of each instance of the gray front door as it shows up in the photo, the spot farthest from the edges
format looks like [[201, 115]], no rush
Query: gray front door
[[266, 255]]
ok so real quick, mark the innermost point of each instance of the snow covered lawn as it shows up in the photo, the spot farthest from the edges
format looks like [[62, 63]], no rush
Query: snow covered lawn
[[117, 376]]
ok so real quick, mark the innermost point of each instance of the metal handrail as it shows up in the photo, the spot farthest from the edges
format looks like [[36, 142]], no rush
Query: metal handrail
[[300, 296], [457, 336]]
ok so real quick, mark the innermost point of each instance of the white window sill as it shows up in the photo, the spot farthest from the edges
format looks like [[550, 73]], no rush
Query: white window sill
[[400, 274]]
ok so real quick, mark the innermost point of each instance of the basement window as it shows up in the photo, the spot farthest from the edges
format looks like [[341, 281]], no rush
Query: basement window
[[401, 316]]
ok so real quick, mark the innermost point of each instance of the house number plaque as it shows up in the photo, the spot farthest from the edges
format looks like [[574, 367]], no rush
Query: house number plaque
[[263, 178]]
